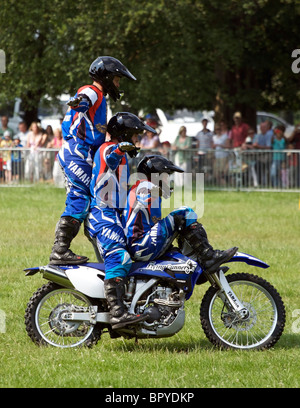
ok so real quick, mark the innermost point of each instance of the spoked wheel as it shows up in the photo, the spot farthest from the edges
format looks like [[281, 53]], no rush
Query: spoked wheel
[[44, 318], [260, 329]]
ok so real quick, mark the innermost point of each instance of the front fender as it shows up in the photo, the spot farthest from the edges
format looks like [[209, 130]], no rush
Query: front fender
[[248, 259]]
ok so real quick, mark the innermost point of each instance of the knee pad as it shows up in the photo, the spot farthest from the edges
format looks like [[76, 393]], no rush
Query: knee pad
[[184, 217], [179, 221]]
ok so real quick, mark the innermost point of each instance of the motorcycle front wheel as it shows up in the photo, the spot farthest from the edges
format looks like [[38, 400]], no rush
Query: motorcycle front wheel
[[44, 318], [260, 329]]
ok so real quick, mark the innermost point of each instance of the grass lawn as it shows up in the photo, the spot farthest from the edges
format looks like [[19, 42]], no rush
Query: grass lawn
[[265, 225]]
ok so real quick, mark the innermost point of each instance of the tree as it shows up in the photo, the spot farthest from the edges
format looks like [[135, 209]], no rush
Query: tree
[[50, 49], [253, 41], [29, 38], [195, 54]]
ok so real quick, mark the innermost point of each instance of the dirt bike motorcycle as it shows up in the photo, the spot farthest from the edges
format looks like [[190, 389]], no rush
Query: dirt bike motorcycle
[[238, 311]]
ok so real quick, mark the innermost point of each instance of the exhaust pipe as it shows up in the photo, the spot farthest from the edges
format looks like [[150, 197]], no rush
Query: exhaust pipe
[[52, 273], [57, 275]]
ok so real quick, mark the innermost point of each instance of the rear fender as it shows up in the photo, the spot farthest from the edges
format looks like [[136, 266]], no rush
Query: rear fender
[[87, 279], [32, 271]]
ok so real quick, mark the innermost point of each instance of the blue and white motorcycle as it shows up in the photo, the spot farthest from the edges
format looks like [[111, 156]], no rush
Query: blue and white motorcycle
[[239, 311]]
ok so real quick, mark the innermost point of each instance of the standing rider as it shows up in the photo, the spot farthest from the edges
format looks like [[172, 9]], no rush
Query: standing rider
[[148, 235], [84, 129]]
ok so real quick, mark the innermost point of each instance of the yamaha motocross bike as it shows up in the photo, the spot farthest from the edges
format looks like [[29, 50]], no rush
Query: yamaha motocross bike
[[239, 311]]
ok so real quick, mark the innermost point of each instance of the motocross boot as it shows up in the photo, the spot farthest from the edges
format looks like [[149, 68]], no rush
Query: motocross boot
[[209, 258], [67, 228], [114, 291]]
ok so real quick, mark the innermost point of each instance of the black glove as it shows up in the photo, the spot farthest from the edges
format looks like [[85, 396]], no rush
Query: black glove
[[134, 152], [74, 101]]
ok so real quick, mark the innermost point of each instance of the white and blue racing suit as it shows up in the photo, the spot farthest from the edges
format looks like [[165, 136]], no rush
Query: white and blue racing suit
[[84, 129], [148, 235], [109, 192]]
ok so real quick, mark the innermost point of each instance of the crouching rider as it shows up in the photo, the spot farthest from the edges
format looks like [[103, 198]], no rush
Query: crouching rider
[[148, 235]]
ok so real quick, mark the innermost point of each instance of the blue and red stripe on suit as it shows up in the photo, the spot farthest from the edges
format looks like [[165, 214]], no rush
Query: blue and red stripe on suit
[[84, 129], [109, 192], [148, 235]]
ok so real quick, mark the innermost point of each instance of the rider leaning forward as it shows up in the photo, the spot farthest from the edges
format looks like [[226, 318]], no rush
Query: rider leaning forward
[[109, 192]]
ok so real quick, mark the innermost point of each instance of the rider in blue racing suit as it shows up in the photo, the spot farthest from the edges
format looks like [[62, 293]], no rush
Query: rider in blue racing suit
[[149, 235], [84, 129], [109, 188]]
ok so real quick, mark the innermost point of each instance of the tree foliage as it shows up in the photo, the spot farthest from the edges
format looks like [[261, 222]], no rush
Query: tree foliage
[[197, 54]]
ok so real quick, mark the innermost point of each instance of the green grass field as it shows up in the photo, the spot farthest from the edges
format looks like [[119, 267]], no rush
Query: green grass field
[[265, 225]]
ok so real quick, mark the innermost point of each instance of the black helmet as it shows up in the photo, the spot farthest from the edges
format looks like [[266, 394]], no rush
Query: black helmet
[[152, 166], [156, 164], [104, 69], [123, 125]]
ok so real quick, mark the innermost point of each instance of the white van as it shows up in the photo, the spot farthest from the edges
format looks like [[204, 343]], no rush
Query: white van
[[170, 125], [48, 113]]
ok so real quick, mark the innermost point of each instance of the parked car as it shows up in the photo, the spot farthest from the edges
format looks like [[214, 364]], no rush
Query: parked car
[[52, 114], [14, 120], [170, 124], [48, 113], [276, 120]]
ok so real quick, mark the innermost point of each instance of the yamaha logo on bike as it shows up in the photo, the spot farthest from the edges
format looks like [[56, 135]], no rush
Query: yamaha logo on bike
[[186, 267]]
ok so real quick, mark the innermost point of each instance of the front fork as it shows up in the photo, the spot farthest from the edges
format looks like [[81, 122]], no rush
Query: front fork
[[226, 293]]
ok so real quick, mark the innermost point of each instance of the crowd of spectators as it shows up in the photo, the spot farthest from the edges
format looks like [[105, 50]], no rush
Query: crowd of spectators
[[261, 158], [26, 154], [228, 152]]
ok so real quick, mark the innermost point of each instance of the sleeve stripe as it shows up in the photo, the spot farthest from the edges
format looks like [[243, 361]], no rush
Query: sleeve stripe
[[91, 94]]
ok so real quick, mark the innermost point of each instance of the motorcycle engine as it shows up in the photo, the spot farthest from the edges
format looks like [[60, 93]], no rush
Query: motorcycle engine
[[161, 305]]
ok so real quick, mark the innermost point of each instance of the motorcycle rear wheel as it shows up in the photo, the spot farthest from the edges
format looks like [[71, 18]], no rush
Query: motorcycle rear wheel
[[44, 322], [260, 330]]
